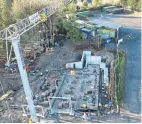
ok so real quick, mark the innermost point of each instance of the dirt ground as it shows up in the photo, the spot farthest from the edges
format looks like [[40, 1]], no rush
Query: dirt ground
[[55, 60], [49, 61]]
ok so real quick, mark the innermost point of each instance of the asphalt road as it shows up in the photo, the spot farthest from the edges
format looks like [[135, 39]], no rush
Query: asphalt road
[[132, 48], [133, 72]]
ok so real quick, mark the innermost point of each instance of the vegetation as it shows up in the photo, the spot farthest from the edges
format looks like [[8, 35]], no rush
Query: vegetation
[[5, 15], [68, 27], [120, 71], [132, 4], [22, 8], [97, 2], [71, 8], [85, 5], [13, 10]]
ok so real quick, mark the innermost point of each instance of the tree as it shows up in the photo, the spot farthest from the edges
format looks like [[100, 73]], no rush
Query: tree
[[71, 8], [132, 4], [85, 5], [0, 17], [73, 33], [96, 2], [68, 27], [23, 8], [139, 5], [18, 9], [6, 18], [123, 3]]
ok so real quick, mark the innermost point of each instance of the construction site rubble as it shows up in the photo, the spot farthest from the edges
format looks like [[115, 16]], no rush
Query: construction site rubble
[[51, 80]]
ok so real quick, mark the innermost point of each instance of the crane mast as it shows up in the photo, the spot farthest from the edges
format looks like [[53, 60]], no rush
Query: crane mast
[[13, 33]]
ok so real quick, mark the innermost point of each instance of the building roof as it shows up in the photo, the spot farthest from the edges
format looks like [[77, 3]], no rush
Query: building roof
[[101, 23], [80, 21], [109, 7], [85, 29], [109, 25], [79, 27], [96, 21]]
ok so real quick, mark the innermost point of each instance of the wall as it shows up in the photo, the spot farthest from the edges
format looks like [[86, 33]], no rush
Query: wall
[[106, 79], [97, 60], [93, 60], [89, 61], [56, 94], [78, 65]]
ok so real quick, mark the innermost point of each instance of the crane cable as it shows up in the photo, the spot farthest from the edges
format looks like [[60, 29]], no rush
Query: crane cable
[[6, 103]]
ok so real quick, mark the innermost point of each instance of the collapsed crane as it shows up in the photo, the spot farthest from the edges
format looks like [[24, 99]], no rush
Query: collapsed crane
[[13, 33]]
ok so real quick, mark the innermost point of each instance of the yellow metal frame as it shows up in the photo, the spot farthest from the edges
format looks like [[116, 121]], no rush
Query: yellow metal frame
[[43, 17]]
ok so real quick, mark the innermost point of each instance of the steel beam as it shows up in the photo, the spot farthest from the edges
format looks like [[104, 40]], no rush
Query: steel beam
[[24, 77]]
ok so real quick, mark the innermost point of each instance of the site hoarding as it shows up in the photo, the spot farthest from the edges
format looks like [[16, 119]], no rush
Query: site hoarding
[[102, 31], [35, 17]]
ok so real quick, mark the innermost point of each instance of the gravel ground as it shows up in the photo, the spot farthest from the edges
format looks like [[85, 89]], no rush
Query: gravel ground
[[59, 57], [56, 60]]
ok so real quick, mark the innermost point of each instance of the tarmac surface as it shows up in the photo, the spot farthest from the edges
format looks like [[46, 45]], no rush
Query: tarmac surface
[[78, 118], [132, 48]]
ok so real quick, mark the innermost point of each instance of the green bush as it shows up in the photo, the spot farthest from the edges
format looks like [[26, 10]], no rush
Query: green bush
[[120, 73], [85, 5], [70, 27], [73, 33], [71, 8]]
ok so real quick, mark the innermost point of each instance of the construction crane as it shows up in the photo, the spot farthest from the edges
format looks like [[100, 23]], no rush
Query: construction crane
[[13, 33]]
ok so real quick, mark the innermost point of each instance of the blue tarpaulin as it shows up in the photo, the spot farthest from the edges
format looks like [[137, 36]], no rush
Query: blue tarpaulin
[[108, 40], [46, 13], [57, 44], [105, 44], [110, 103]]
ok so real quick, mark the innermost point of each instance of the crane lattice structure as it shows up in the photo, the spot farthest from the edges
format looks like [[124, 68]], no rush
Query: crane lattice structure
[[26, 24], [13, 33]]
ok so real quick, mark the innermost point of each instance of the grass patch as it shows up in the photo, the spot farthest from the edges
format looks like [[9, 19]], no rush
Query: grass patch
[[120, 74]]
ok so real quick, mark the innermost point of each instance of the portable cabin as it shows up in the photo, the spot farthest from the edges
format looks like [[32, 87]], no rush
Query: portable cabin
[[87, 33], [108, 8], [110, 29], [107, 29], [117, 10], [113, 9], [84, 14], [80, 22]]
